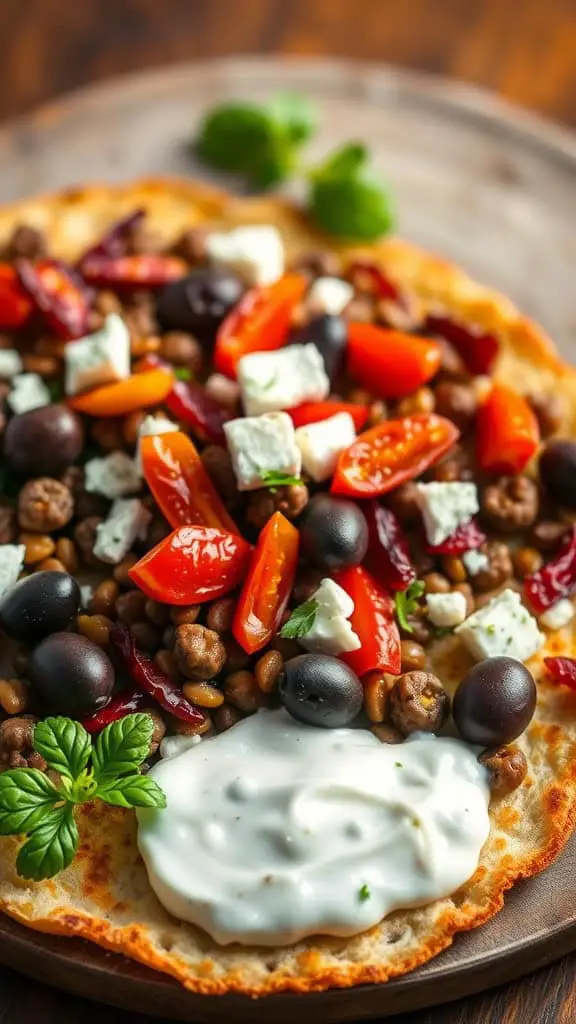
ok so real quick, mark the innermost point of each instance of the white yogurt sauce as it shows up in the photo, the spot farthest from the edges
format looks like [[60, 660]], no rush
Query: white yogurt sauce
[[276, 830]]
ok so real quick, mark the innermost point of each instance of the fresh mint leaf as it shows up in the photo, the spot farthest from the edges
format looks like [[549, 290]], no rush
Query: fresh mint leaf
[[65, 745], [343, 163], [121, 747], [247, 139], [272, 478], [51, 846], [132, 791], [83, 788], [356, 207], [26, 796], [407, 602], [364, 893], [295, 111], [301, 621]]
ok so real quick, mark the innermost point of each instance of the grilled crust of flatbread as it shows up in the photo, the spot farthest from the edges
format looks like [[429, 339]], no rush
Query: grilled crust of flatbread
[[105, 895]]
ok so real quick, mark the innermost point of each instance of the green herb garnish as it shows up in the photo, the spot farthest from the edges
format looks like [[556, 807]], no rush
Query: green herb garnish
[[183, 373], [273, 479], [43, 811], [364, 893], [490, 629], [301, 621], [398, 764], [407, 602], [55, 390], [347, 199], [440, 631]]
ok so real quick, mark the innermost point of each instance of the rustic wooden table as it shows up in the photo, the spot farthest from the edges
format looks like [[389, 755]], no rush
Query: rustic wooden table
[[523, 49]]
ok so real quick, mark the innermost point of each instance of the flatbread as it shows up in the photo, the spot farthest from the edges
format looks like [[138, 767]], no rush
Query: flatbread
[[105, 896]]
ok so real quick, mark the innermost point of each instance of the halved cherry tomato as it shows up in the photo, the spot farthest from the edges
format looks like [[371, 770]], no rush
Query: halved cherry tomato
[[259, 323], [15, 304], [59, 294], [194, 564], [390, 363], [391, 453], [507, 432], [314, 412], [139, 391], [181, 486], [374, 623], [268, 585]]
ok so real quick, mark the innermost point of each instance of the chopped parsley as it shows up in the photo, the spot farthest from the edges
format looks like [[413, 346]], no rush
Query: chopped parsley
[[269, 384], [301, 621], [364, 893], [491, 629], [407, 603], [183, 373], [398, 764], [273, 479]]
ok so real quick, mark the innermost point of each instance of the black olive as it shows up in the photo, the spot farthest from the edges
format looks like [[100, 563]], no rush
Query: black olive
[[71, 674], [320, 690], [558, 472], [494, 702], [330, 335], [199, 303], [43, 442], [333, 532], [38, 605]]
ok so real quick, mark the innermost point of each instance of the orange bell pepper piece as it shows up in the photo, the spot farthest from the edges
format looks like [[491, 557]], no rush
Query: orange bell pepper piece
[[140, 391]]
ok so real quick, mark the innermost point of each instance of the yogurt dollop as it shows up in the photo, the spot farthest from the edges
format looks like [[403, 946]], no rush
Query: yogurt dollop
[[276, 830]]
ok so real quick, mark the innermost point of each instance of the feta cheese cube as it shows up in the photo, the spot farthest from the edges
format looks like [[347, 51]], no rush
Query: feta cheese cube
[[10, 363], [127, 520], [503, 626], [321, 443], [475, 561], [445, 506], [270, 381], [28, 392], [558, 615], [11, 562], [114, 476], [255, 252], [330, 295], [152, 426], [99, 358], [331, 631], [446, 610], [260, 444]]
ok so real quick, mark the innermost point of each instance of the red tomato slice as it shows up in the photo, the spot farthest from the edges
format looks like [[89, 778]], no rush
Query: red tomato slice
[[15, 304], [391, 453], [390, 363], [314, 412], [259, 323], [373, 621], [192, 565], [507, 432], [268, 585], [181, 486]]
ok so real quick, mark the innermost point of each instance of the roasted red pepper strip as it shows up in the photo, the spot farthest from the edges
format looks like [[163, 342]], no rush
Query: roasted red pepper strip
[[181, 486], [391, 453], [268, 585], [15, 304], [314, 412], [562, 670], [555, 580], [114, 242], [507, 432], [126, 703], [58, 294], [465, 537], [140, 391], [374, 623], [477, 349], [194, 564], [390, 363], [148, 677], [259, 323], [190, 404], [388, 555], [128, 272]]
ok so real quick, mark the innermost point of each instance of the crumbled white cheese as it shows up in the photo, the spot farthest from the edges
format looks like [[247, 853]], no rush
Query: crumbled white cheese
[[11, 563], [446, 610], [99, 358], [152, 426], [322, 442], [330, 295], [114, 475], [270, 381], [445, 506], [10, 363], [558, 615], [260, 444], [331, 631], [171, 746], [255, 252], [127, 520], [475, 561], [503, 626], [28, 392], [223, 390]]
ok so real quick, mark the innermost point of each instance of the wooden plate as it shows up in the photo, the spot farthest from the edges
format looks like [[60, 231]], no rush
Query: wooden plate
[[487, 185]]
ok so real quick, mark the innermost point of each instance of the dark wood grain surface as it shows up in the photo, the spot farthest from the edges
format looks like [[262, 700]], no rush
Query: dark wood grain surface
[[523, 49]]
